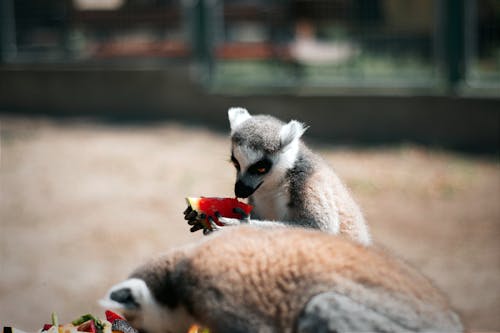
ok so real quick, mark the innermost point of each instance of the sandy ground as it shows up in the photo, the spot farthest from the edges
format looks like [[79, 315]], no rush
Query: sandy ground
[[83, 203]]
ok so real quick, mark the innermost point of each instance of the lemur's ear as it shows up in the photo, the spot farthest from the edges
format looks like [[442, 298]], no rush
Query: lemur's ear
[[291, 132], [237, 116]]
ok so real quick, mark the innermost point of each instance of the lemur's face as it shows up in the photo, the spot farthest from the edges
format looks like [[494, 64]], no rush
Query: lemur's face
[[263, 149], [134, 300], [252, 169]]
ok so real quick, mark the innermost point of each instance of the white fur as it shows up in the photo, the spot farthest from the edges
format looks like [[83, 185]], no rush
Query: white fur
[[291, 132], [271, 199], [150, 316], [273, 203], [246, 156], [288, 155], [237, 116]]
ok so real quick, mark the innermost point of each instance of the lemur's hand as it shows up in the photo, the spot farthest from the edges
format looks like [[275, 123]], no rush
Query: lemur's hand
[[194, 220], [245, 218]]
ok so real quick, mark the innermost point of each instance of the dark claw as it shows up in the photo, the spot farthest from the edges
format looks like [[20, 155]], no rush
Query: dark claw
[[188, 210], [193, 222], [206, 231], [191, 215], [217, 214], [203, 216], [196, 227]]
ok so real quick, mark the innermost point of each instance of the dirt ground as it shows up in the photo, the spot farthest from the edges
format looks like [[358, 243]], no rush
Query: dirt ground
[[83, 203]]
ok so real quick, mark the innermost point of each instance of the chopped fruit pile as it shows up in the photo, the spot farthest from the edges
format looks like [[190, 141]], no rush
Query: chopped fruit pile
[[204, 208], [114, 323]]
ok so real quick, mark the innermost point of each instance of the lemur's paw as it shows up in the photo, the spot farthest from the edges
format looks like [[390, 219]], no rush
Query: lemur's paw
[[194, 219], [209, 224], [214, 226], [227, 221]]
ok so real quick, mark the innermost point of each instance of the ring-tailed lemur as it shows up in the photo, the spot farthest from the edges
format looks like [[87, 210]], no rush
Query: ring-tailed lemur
[[250, 279], [285, 182]]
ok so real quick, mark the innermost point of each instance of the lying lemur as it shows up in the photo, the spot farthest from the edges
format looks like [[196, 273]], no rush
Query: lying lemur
[[280, 280]]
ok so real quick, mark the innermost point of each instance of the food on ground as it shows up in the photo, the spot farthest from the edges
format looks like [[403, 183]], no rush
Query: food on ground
[[114, 323]]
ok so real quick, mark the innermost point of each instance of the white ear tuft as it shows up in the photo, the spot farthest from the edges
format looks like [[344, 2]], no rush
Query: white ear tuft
[[291, 132], [237, 116]]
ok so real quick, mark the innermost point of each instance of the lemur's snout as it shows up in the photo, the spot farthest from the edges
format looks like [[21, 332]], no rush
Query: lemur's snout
[[242, 190], [124, 296]]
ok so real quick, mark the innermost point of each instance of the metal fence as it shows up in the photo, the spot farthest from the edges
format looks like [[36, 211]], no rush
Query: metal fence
[[309, 46]]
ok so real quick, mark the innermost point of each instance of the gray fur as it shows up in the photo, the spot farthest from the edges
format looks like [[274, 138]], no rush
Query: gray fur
[[297, 177], [260, 132], [333, 312]]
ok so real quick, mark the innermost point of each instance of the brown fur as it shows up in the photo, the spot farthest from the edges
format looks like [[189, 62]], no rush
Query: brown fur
[[270, 274]]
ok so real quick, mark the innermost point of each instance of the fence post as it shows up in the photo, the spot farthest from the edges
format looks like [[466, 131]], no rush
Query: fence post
[[454, 33], [8, 48], [202, 45]]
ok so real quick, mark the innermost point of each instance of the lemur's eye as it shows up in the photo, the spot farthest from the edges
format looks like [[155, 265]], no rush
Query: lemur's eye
[[261, 167], [235, 162]]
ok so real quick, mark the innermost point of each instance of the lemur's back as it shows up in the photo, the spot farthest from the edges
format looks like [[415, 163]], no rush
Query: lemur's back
[[279, 271], [281, 280]]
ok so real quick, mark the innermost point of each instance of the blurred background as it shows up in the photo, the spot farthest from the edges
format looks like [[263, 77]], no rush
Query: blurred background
[[113, 111], [377, 71]]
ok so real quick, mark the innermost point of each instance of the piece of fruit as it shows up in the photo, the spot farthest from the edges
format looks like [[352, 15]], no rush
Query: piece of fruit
[[112, 316], [46, 327], [88, 326], [224, 206], [89, 323]]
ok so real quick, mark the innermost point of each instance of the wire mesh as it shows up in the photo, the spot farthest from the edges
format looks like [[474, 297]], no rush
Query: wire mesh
[[263, 44]]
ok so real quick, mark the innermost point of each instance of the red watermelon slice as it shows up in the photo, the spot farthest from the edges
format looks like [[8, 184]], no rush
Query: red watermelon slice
[[224, 206]]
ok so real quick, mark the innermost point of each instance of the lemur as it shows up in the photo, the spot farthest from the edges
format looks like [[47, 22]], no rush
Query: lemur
[[280, 280], [287, 184]]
